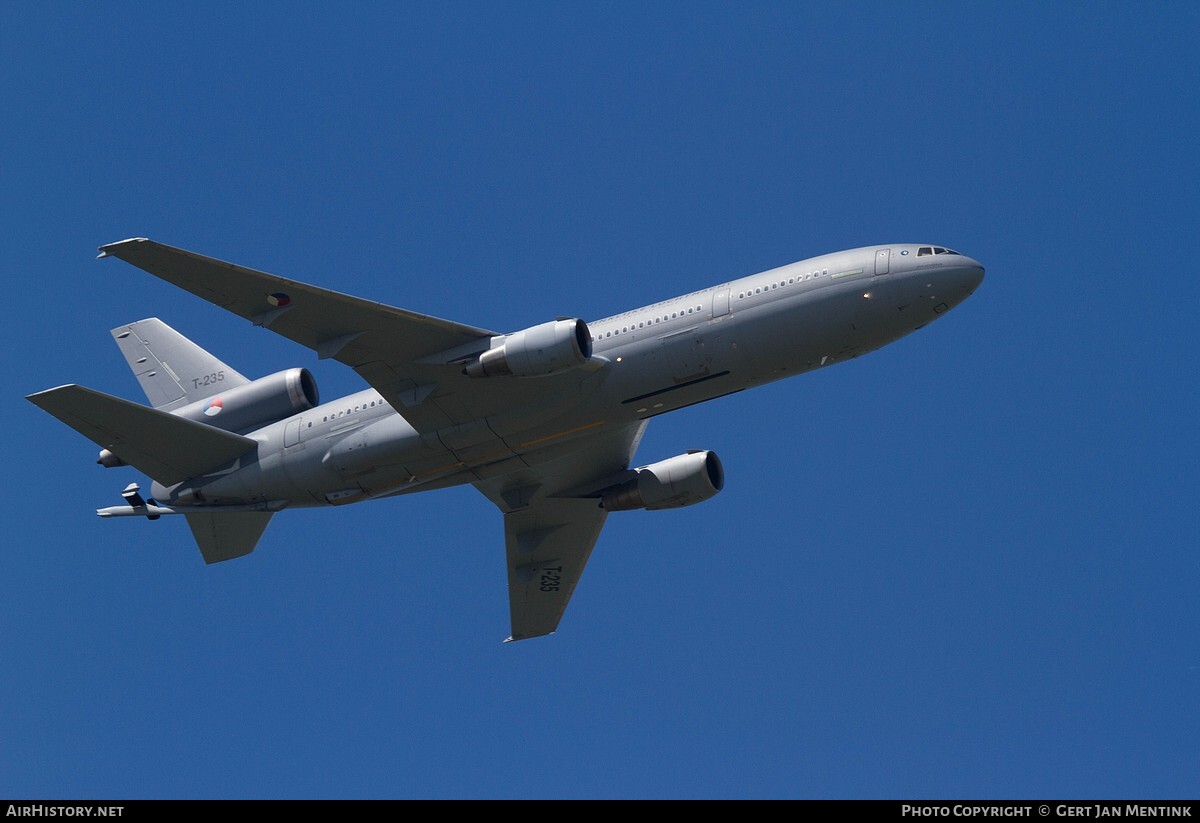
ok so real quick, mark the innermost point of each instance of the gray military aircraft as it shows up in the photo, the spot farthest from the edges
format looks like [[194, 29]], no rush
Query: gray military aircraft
[[544, 421]]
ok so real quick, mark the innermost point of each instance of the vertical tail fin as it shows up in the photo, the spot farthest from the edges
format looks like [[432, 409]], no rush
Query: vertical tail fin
[[226, 535], [172, 370]]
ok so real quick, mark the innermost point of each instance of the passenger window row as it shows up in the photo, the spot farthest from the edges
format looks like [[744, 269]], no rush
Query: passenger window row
[[791, 281], [376, 402], [663, 318]]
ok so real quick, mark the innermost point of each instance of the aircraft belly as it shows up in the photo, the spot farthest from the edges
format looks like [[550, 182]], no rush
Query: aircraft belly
[[708, 349], [378, 458], [475, 445], [251, 481], [676, 369], [499, 468], [789, 337], [388, 458]]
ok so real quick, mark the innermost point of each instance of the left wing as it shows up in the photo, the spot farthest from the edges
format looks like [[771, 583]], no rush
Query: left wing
[[551, 524], [547, 544], [415, 361]]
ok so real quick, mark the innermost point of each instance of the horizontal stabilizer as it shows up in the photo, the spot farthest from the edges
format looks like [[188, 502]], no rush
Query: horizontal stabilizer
[[224, 536], [167, 448]]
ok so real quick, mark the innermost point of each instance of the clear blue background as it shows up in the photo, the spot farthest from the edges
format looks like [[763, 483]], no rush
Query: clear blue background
[[964, 566]]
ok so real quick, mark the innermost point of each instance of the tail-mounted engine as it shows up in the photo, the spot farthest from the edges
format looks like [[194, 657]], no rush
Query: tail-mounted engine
[[550, 348], [254, 405], [679, 481]]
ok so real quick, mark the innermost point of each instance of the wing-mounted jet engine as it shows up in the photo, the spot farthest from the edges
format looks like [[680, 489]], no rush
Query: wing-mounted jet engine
[[550, 348], [683, 480]]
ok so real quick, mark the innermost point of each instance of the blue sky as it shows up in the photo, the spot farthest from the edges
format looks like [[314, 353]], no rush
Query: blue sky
[[964, 566]]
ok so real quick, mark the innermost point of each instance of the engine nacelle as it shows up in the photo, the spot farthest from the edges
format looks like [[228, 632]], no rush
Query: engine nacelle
[[109, 460], [256, 404], [679, 481], [550, 348]]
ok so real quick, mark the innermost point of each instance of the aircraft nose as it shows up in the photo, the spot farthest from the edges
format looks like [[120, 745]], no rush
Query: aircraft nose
[[969, 275], [948, 285], [959, 282]]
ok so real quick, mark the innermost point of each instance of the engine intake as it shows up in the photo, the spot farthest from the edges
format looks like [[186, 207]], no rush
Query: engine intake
[[550, 348], [679, 481]]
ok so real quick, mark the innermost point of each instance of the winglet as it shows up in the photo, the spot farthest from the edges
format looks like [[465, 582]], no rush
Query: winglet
[[104, 250], [512, 639]]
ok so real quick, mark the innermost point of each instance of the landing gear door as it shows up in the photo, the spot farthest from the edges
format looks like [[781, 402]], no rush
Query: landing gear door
[[882, 260]]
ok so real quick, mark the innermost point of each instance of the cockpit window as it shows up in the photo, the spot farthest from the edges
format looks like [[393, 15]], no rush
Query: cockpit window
[[924, 250]]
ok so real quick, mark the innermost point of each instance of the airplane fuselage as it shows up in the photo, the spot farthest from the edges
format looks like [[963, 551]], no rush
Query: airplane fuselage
[[661, 357]]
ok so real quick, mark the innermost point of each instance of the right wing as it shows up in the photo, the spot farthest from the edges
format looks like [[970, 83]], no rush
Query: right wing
[[415, 361]]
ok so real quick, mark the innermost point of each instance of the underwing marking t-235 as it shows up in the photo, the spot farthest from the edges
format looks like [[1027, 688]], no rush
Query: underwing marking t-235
[[544, 421]]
